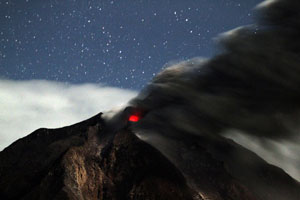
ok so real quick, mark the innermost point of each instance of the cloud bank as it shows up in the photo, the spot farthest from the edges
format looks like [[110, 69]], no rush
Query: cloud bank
[[284, 154], [28, 105]]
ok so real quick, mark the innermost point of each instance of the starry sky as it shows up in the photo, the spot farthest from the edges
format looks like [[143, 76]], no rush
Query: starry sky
[[119, 43]]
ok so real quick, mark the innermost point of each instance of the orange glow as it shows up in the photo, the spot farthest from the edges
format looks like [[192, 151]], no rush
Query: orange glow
[[134, 118]]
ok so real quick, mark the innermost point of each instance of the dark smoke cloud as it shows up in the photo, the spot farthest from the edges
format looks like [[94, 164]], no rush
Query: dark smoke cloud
[[252, 87]]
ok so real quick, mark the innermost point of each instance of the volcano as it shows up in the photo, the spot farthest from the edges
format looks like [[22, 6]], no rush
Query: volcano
[[84, 161], [168, 143]]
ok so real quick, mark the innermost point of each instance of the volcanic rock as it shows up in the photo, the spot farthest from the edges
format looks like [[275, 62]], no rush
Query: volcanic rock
[[85, 161]]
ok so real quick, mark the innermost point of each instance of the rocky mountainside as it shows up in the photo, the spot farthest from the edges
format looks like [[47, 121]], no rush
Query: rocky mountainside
[[85, 161]]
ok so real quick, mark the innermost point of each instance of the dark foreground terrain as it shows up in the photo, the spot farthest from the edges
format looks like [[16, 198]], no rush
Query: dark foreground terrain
[[85, 161]]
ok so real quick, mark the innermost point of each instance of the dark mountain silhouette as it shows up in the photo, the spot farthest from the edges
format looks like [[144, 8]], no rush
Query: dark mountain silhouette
[[85, 161]]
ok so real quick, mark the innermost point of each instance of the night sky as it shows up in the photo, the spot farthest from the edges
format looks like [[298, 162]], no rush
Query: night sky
[[120, 43]]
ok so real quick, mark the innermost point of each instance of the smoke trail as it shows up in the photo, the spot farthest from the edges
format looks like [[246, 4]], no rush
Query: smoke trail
[[252, 87]]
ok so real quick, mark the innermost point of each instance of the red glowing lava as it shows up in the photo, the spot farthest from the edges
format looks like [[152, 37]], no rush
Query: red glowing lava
[[134, 118]]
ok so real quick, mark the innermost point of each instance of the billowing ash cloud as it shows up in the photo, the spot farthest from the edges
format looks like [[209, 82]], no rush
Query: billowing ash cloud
[[253, 86], [28, 105]]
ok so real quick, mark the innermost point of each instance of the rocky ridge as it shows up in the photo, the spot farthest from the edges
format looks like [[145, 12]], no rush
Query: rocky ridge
[[84, 161]]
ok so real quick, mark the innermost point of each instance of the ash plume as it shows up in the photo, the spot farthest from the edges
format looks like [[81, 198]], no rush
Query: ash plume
[[251, 87]]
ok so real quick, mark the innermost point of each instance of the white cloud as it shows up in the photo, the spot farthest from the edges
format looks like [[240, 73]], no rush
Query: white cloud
[[28, 105], [284, 154]]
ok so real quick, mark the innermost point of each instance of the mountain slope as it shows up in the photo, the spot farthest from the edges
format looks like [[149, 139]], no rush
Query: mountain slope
[[85, 161]]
